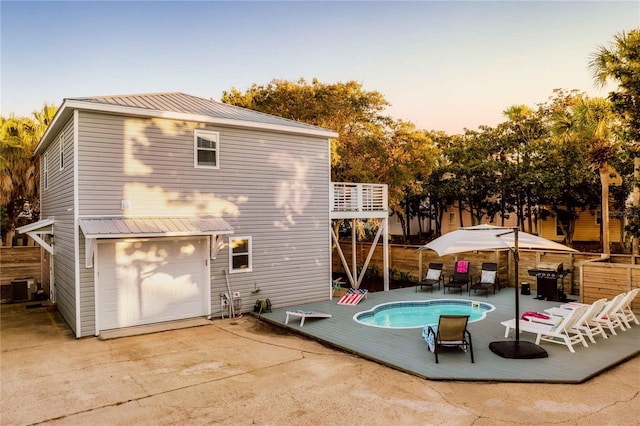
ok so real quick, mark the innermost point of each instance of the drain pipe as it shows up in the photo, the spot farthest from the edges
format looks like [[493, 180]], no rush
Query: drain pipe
[[231, 308]]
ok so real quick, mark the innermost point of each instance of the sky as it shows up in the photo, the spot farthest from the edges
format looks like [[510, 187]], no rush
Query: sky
[[441, 65]]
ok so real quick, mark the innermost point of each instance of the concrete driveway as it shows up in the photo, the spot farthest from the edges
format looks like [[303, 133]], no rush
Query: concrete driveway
[[242, 371]]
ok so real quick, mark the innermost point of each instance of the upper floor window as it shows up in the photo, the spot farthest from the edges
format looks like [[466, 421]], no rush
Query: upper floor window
[[206, 149], [45, 171], [61, 152], [240, 254]]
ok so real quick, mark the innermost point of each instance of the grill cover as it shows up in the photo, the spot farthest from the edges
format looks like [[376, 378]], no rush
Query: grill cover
[[550, 266]]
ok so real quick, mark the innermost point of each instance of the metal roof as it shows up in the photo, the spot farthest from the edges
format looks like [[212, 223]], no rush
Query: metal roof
[[188, 104], [120, 227], [178, 106]]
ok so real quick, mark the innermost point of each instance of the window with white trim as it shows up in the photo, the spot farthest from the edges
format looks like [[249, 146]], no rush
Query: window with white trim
[[206, 149], [239, 254], [61, 149], [45, 171]]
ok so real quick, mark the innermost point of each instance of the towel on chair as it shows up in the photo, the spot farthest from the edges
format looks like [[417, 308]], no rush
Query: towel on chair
[[430, 337], [463, 265], [534, 315]]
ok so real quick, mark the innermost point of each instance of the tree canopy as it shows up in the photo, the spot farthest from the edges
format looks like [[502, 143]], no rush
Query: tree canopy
[[20, 177]]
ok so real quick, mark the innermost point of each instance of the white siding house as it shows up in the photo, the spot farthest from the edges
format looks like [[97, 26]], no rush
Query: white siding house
[[153, 201]]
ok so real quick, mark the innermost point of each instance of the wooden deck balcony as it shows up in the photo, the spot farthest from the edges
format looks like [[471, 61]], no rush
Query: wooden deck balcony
[[359, 201]]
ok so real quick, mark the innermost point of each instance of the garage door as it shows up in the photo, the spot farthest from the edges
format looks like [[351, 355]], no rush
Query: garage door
[[147, 281]]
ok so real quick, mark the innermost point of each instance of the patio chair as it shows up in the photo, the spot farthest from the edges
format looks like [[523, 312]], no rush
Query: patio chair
[[587, 323], [488, 279], [563, 332], [434, 277], [460, 277], [608, 317], [625, 313], [451, 332]]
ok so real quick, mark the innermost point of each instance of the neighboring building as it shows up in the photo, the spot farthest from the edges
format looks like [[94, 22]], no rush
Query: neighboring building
[[587, 228], [150, 203]]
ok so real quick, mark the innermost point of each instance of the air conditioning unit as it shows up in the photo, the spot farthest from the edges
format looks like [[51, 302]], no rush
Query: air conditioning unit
[[22, 289]]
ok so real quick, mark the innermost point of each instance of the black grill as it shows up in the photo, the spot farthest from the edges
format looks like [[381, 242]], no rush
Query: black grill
[[547, 275]]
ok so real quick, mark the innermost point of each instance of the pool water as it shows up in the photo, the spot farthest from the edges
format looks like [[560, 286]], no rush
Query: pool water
[[420, 313]]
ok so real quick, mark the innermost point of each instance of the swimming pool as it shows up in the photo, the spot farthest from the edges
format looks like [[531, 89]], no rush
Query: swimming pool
[[417, 314]]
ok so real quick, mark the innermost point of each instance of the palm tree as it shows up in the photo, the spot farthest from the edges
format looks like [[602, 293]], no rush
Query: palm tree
[[620, 63], [20, 169], [589, 121]]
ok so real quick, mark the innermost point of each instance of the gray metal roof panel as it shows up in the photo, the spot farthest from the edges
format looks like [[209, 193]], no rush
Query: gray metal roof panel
[[188, 104], [109, 227]]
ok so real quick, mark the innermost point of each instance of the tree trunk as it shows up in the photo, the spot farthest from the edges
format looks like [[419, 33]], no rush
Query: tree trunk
[[604, 181], [636, 202]]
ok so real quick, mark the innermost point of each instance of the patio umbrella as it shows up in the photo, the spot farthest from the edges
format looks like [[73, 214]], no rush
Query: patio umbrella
[[491, 238], [488, 237]]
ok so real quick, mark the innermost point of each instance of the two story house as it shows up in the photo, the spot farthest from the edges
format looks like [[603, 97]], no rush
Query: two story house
[[160, 207]]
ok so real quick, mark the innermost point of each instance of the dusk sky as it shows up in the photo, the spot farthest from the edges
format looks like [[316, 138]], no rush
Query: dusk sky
[[442, 65]]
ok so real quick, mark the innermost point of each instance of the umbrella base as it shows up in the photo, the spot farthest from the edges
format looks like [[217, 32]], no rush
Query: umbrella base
[[517, 350]]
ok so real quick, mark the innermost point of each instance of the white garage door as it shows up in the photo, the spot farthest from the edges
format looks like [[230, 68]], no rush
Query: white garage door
[[147, 281]]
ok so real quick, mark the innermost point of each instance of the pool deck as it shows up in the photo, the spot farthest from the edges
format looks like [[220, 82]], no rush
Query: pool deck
[[406, 350]]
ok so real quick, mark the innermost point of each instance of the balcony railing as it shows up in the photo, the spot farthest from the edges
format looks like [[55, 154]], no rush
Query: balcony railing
[[366, 198]]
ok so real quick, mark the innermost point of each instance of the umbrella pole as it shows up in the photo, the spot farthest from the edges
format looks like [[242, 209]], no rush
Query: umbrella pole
[[517, 349], [516, 262]]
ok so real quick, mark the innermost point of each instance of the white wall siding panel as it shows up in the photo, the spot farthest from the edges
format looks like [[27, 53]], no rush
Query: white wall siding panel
[[57, 201], [273, 187]]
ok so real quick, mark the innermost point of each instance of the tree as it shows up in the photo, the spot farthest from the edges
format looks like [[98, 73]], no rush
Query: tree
[[620, 62], [575, 189], [343, 107], [406, 157], [589, 121], [523, 130], [20, 169], [471, 160], [370, 147]]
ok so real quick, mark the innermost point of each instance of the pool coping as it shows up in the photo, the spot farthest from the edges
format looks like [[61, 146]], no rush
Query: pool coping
[[408, 303]]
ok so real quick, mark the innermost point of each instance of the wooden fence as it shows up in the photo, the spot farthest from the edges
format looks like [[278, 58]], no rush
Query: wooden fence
[[20, 262], [603, 278], [591, 278]]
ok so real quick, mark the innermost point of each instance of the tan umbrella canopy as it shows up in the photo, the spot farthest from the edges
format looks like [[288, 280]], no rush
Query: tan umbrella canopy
[[488, 237]]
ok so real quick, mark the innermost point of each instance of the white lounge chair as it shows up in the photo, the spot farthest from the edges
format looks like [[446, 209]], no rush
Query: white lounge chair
[[563, 333], [587, 323], [608, 317], [625, 313]]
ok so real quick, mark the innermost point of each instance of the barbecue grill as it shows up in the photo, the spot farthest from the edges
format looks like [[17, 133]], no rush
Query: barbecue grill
[[547, 275]]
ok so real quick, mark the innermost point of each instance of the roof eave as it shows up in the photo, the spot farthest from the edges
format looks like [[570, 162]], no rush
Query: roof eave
[[69, 105]]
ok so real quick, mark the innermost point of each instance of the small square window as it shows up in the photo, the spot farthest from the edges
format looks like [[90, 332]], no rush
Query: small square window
[[206, 149], [240, 254]]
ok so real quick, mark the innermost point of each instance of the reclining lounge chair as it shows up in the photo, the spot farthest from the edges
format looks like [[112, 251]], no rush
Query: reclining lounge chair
[[451, 332], [488, 279], [434, 277], [460, 277]]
